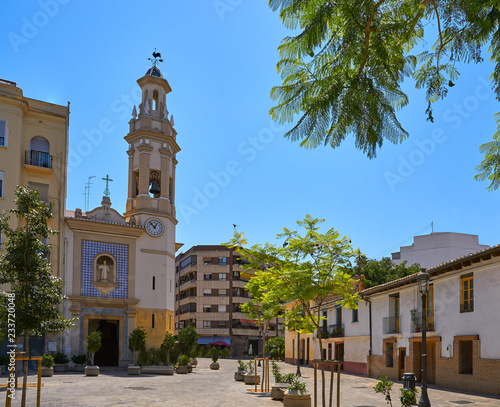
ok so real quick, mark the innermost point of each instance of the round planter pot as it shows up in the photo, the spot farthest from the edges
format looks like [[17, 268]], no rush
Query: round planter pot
[[181, 370], [251, 378], [278, 390], [60, 367], [134, 370], [190, 368], [91, 370], [214, 366], [47, 371], [238, 376], [194, 362], [79, 368], [297, 398]]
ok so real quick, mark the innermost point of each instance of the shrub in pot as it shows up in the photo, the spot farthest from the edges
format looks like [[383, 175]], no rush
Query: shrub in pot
[[297, 395], [240, 371], [136, 343], [182, 365], [214, 354], [281, 382], [79, 361], [60, 360], [251, 377], [93, 344], [47, 365]]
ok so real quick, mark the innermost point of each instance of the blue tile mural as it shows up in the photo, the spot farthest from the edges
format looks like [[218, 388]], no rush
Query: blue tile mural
[[120, 251]]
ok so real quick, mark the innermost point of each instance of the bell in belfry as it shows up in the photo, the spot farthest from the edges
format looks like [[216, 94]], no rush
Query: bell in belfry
[[155, 183], [155, 188]]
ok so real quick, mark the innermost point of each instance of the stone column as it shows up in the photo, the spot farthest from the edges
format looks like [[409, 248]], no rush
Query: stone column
[[143, 199], [164, 203], [131, 179], [174, 163]]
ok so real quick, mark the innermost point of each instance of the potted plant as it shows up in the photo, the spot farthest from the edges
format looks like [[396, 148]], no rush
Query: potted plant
[[47, 365], [4, 360], [136, 343], [79, 361], [214, 354], [251, 377], [281, 382], [240, 372], [415, 320], [430, 326], [297, 395], [60, 360], [182, 365], [93, 344], [195, 352]]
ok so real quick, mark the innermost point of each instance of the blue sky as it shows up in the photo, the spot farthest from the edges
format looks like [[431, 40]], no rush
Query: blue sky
[[235, 167]]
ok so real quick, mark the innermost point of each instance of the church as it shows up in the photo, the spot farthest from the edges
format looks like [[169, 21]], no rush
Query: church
[[120, 269]]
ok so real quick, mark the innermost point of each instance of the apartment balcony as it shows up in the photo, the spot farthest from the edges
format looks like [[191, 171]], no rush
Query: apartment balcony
[[213, 331], [416, 322], [391, 325], [187, 300], [333, 331], [239, 282], [188, 269], [187, 284]]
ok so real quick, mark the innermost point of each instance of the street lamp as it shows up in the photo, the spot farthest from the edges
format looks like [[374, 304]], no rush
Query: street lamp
[[423, 287]]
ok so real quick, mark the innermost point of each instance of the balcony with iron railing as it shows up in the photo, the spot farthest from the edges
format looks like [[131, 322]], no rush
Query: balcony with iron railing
[[38, 159], [333, 331], [391, 325], [416, 321]]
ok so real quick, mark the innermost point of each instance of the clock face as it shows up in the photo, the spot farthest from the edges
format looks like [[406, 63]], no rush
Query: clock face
[[154, 227]]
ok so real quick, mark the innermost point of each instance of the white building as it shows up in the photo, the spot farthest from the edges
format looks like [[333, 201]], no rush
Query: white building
[[436, 248], [462, 319]]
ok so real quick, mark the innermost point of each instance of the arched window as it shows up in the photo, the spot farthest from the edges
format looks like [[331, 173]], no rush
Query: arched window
[[39, 153], [155, 100]]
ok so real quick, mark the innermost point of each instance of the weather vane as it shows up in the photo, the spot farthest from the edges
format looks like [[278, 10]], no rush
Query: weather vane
[[107, 179], [156, 58]]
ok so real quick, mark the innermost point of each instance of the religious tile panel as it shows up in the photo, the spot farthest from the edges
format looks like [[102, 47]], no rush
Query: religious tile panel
[[101, 278]]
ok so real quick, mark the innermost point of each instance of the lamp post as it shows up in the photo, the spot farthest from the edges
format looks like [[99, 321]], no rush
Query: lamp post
[[298, 353], [423, 287]]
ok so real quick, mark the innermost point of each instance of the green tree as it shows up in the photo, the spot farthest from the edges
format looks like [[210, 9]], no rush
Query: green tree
[[489, 169], [304, 272], [277, 347], [381, 271], [344, 67], [137, 341], [187, 340], [168, 346], [25, 266], [93, 344], [264, 304]]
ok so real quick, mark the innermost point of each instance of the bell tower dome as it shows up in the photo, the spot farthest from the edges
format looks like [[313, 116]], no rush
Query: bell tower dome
[[152, 152]]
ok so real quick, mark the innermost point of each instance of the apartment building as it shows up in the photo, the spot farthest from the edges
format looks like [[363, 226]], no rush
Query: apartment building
[[210, 288], [33, 154]]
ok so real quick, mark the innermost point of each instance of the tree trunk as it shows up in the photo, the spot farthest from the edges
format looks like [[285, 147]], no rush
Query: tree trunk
[[25, 366], [320, 337]]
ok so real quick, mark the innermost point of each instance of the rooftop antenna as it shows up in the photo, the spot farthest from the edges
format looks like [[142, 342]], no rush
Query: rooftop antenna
[[432, 226], [87, 193], [156, 58]]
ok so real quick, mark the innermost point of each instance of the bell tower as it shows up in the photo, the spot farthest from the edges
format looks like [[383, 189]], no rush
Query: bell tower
[[152, 152]]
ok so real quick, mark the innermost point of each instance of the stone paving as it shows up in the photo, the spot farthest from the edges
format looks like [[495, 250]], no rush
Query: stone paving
[[206, 388]]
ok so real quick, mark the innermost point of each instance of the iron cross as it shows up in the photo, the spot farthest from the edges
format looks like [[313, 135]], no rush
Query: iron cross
[[107, 179]]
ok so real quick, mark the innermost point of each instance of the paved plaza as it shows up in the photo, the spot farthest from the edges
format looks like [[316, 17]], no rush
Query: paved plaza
[[206, 388]]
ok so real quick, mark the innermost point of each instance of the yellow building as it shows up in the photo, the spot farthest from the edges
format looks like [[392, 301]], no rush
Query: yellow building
[[33, 153], [120, 270]]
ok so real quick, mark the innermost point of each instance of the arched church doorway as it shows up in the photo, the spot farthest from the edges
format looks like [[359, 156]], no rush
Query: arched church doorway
[[109, 352]]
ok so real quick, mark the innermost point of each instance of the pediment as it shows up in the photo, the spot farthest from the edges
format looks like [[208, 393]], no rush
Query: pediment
[[106, 214]]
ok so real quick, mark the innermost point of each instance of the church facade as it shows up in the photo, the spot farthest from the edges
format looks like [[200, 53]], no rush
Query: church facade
[[120, 269]]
